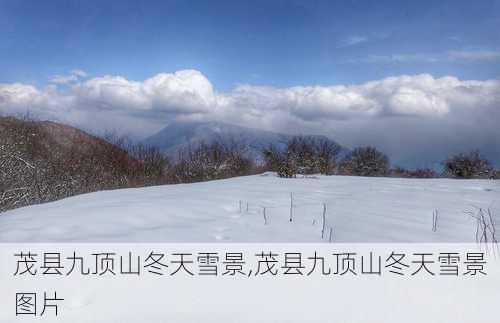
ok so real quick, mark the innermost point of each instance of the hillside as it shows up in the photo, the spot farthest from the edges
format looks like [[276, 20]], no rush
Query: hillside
[[359, 209], [43, 161]]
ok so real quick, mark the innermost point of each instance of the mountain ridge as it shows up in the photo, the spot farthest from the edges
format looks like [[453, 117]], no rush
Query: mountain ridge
[[180, 135]]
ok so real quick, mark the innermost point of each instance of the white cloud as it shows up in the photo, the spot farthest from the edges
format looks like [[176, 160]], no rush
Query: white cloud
[[63, 79], [72, 77], [190, 92], [449, 56], [186, 91], [397, 58], [417, 96], [352, 41], [79, 73], [405, 115], [478, 55], [455, 38]]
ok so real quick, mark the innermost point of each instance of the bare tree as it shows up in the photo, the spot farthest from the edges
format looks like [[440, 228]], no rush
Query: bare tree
[[416, 173], [326, 154], [301, 150], [44, 161], [468, 165], [365, 161], [203, 162], [302, 155]]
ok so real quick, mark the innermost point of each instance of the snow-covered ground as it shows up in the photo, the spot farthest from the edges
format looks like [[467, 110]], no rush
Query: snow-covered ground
[[318, 298], [357, 209]]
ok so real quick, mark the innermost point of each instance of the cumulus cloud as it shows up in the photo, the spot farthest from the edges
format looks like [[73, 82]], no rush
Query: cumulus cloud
[[409, 116], [185, 91], [418, 96]]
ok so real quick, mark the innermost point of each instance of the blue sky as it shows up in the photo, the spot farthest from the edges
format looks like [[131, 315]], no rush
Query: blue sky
[[276, 43], [420, 80]]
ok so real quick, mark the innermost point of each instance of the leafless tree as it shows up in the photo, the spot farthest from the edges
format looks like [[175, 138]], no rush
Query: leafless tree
[[326, 152], [468, 165], [415, 173], [365, 161], [217, 160], [43, 161], [303, 155]]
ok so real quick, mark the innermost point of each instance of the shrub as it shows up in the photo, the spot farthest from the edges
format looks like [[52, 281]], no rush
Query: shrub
[[44, 161], [284, 163], [365, 161], [204, 162], [326, 154], [468, 165], [417, 173], [302, 155], [273, 157], [154, 165], [301, 151]]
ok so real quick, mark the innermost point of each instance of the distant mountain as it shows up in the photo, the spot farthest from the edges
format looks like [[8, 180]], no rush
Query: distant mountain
[[181, 135]]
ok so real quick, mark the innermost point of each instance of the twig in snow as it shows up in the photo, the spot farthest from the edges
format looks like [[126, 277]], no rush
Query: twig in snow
[[324, 222], [485, 229], [434, 220]]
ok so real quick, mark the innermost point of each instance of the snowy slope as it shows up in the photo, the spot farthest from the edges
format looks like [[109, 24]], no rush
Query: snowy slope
[[358, 210]]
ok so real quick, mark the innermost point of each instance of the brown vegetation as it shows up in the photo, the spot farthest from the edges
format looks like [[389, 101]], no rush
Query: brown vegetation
[[303, 155], [46, 161], [469, 165]]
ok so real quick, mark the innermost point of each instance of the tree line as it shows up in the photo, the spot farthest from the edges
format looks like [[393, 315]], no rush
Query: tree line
[[38, 166], [306, 155]]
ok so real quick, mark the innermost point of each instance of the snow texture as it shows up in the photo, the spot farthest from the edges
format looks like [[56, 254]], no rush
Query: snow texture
[[357, 210]]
